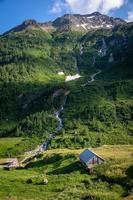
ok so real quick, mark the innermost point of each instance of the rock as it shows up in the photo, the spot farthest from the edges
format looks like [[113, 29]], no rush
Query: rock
[[86, 22], [72, 22], [45, 181], [29, 181]]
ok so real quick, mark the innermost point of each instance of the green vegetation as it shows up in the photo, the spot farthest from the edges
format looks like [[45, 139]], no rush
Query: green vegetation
[[12, 147], [97, 114], [8, 143], [94, 115], [67, 179]]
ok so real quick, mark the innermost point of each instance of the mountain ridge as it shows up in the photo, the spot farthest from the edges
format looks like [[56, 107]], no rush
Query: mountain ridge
[[75, 22]]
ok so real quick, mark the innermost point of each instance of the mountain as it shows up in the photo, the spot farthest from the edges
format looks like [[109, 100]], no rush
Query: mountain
[[32, 24], [67, 85], [34, 65], [73, 22], [86, 22]]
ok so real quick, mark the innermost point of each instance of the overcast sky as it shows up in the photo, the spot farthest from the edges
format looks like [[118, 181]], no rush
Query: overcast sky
[[13, 12]]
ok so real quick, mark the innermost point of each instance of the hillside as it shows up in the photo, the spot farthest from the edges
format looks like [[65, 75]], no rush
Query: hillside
[[34, 64], [67, 178]]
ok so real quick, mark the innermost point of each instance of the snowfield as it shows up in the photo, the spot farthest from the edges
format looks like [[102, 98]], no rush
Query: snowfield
[[60, 73], [71, 78]]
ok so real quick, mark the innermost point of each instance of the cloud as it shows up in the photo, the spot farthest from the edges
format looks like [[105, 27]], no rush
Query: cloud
[[130, 16], [58, 7], [87, 6]]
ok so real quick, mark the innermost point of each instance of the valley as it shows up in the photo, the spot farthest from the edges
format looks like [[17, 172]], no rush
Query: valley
[[65, 86], [44, 147]]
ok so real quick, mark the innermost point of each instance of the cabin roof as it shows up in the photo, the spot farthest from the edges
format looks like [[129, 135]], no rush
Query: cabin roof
[[87, 155]]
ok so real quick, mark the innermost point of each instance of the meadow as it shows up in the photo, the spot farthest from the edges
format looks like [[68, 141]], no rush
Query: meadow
[[67, 179]]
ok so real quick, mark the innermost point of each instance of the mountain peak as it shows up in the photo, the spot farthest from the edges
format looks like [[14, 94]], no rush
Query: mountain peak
[[86, 22], [76, 22], [96, 13], [30, 22]]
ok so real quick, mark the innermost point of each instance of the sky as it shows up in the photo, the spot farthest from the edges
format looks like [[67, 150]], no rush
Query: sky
[[14, 12]]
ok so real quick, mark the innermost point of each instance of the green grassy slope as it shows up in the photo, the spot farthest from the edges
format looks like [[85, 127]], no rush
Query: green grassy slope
[[67, 178]]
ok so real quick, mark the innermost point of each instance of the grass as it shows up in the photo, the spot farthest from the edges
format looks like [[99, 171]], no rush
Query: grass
[[7, 143], [67, 178]]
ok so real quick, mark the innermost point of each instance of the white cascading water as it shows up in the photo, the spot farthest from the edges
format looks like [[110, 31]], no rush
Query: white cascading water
[[103, 51], [44, 147]]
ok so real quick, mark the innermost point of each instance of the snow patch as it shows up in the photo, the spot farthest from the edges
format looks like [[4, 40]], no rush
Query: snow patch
[[90, 17], [60, 73], [109, 26], [96, 27], [100, 26], [71, 78], [84, 26]]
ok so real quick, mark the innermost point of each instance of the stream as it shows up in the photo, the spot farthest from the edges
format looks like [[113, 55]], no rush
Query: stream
[[92, 78], [44, 146], [57, 114]]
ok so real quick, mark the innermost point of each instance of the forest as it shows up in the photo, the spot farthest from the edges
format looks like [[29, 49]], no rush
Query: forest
[[97, 114]]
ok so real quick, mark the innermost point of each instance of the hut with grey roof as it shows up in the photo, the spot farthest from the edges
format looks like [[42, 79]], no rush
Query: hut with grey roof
[[89, 159]]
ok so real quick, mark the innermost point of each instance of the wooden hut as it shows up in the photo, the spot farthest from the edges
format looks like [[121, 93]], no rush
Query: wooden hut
[[89, 159]]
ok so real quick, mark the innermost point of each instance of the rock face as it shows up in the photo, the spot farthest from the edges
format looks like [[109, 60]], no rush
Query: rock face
[[73, 22], [32, 24], [28, 24], [86, 22]]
